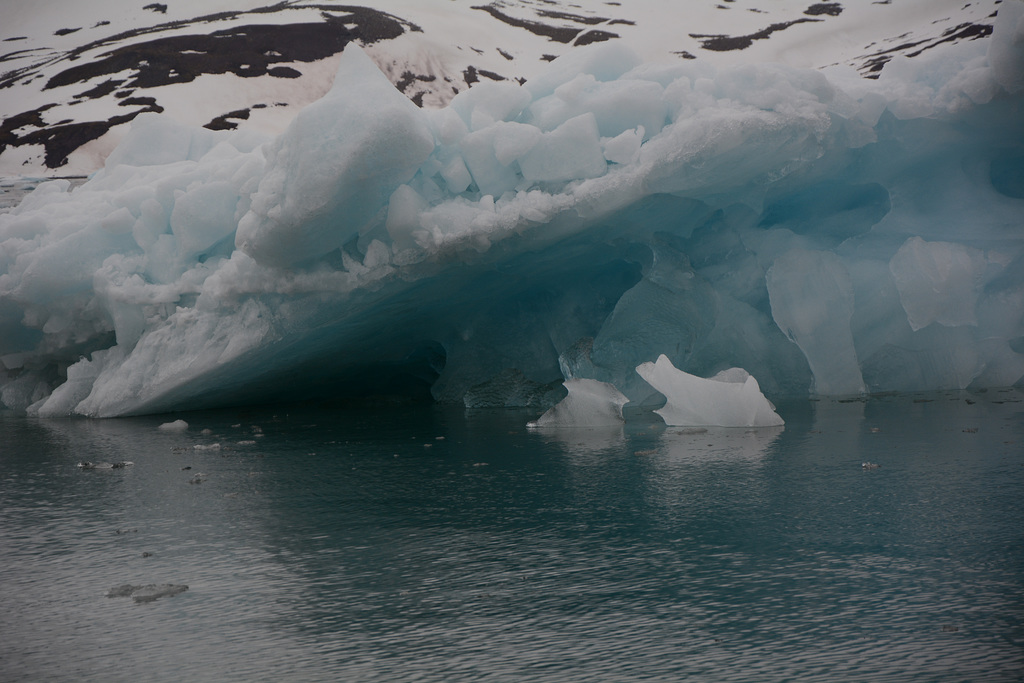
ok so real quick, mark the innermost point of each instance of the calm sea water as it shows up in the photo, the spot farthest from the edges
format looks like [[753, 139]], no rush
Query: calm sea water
[[424, 544]]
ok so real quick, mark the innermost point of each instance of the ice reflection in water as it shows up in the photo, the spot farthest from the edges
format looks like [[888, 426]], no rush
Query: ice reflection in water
[[359, 546]]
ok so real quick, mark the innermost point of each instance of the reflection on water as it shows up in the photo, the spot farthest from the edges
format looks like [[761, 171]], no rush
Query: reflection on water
[[441, 545]]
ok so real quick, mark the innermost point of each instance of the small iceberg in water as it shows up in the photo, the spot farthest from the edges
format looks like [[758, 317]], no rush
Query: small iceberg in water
[[589, 404], [732, 398]]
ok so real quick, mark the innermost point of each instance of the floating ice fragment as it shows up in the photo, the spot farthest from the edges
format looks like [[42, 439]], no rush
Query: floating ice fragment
[[729, 399], [589, 404], [176, 426], [86, 465], [146, 593]]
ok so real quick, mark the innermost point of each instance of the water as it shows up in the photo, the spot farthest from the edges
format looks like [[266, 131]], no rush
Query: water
[[329, 544]]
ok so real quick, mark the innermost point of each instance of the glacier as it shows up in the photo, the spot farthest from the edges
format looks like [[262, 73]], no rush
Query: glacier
[[829, 234]]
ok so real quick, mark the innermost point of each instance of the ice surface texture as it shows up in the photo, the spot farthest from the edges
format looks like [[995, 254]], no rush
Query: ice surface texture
[[827, 233]]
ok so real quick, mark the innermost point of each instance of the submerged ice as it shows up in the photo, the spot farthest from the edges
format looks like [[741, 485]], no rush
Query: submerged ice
[[826, 233]]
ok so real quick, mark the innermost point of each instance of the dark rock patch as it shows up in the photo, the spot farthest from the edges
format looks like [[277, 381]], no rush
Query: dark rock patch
[[14, 55], [548, 58], [685, 55], [101, 23], [472, 75], [874, 63], [101, 90], [66, 31], [596, 36], [729, 43], [408, 78], [156, 7], [222, 122], [565, 16], [504, 54], [555, 33], [149, 102], [245, 51], [366, 24], [8, 40], [832, 9], [61, 140], [283, 72]]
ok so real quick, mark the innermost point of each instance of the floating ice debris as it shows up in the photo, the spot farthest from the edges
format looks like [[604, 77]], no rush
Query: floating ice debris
[[206, 447], [86, 465], [589, 404], [176, 426], [870, 466], [146, 593], [197, 479], [732, 398]]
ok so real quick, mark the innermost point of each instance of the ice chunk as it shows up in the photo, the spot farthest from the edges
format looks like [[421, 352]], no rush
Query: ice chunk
[[155, 140], [146, 593], [480, 153], [625, 147], [812, 302], [938, 282], [589, 404], [204, 216], [176, 426], [605, 62], [617, 105], [731, 398], [335, 166], [571, 151]]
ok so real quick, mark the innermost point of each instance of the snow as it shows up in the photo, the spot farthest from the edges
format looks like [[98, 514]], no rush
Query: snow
[[615, 228]]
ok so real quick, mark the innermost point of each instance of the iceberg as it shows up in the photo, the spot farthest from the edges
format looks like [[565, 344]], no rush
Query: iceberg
[[830, 234], [589, 404], [732, 398]]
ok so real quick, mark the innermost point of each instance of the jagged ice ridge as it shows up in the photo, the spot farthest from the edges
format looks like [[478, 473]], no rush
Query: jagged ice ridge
[[828, 234]]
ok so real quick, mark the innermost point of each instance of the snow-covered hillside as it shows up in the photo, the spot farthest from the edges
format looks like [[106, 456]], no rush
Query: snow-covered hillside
[[73, 75]]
